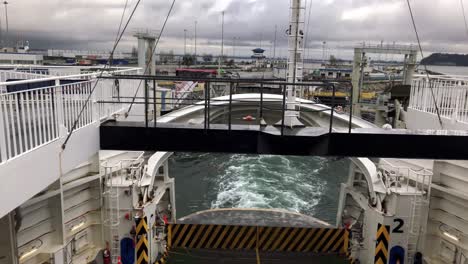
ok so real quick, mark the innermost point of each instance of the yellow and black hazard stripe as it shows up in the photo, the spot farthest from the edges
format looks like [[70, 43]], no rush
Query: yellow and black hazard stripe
[[163, 259], [350, 258], [320, 240], [381, 249], [142, 241], [141, 226]]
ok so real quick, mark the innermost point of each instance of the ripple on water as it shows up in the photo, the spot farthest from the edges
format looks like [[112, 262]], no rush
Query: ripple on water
[[307, 185]]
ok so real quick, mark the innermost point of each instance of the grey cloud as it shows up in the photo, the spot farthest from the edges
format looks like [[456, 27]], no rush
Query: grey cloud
[[93, 24]]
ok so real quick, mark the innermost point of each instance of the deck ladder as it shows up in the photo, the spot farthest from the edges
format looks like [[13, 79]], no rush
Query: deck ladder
[[112, 215]]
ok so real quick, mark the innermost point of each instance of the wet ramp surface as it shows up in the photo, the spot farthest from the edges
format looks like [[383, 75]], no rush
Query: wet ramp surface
[[203, 256], [252, 217]]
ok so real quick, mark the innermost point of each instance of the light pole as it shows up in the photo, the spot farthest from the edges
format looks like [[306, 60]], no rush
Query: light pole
[[222, 43], [234, 46], [185, 42], [274, 47], [1, 37], [222, 36], [6, 17], [195, 37], [323, 51]]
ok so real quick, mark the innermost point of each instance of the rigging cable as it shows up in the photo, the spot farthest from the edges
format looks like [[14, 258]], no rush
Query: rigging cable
[[151, 57], [464, 16], [100, 75], [121, 20], [306, 43], [425, 67]]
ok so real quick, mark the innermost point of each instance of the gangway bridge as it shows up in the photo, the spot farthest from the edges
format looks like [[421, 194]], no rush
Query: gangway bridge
[[219, 125]]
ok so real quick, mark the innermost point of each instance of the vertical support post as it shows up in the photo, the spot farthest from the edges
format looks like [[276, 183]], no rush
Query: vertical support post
[[205, 109], [332, 108], [283, 111], [13, 239], [95, 106], [350, 125], [166, 171], [209, 106], [60, 110], [3, 144], [146, 103], [169, 235], [155, 107], [230, 105], [356, 79], [261, 101]]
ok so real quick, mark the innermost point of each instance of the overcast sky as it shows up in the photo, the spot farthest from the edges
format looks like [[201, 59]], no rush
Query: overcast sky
[[92, 24]]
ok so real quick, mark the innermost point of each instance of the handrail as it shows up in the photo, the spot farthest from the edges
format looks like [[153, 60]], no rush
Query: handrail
[[387, 46], [451, 96], [54, 78], [422, 178], [212, 103], [442, 76], [32, 118]]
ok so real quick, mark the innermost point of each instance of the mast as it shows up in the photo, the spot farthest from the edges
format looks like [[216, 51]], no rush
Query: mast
[[274, 43], [296, 38]]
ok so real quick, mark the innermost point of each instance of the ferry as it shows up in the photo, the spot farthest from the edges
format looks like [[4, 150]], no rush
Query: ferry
[[68, 197]]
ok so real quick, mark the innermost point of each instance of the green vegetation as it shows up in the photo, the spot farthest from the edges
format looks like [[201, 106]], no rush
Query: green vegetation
[[446, 59]]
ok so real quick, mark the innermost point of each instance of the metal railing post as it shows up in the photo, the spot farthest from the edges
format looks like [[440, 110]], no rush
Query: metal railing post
[[146, 103], [209, 106], [63, 131], [261, 102], [283, 113], [95, 107], [205, 109], [230, 106], [350, 125], [155, 111], [332, 108], [3, 143]]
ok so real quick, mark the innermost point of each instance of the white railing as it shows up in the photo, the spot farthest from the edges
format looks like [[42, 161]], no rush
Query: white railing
[[9, 75], [29, 72], [406, 178], [5, 75], [35, 117], [448, 92], [387, 46]]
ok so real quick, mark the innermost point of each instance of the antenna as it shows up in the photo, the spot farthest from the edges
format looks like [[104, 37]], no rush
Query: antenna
[[6, 17]]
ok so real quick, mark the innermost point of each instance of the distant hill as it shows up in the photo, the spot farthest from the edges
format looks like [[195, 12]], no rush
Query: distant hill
[[446, 59]]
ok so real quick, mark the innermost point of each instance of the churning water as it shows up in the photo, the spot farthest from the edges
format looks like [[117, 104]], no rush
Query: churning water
[[309, 185]]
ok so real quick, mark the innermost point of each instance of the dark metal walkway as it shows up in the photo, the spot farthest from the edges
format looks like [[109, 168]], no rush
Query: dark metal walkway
[[255, 139]]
